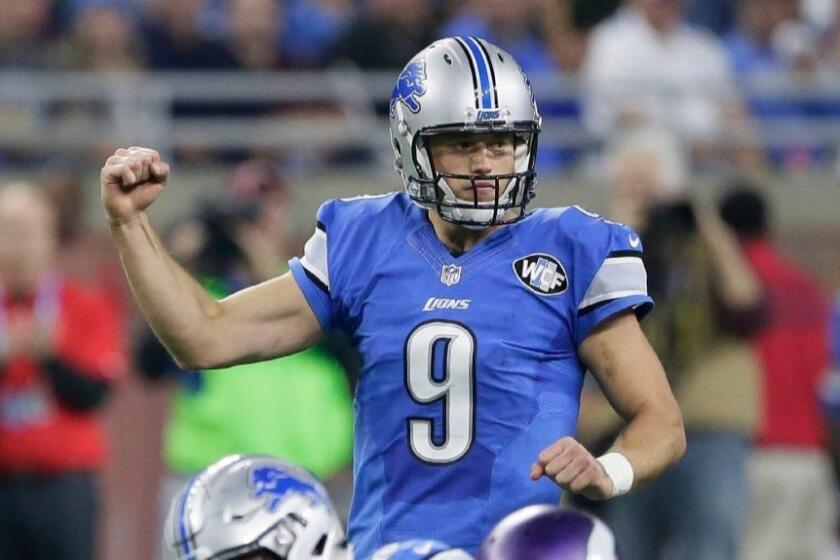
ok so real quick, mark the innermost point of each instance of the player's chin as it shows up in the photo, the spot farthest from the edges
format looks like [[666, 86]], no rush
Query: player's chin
[[483, 196]]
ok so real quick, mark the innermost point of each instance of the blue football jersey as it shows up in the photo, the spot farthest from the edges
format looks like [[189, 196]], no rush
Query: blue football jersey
[[469, 362]]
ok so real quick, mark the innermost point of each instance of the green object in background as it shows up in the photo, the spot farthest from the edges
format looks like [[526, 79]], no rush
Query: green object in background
[[297, 408]]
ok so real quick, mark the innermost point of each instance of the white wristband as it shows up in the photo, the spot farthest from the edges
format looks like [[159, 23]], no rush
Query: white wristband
[[620, 471]]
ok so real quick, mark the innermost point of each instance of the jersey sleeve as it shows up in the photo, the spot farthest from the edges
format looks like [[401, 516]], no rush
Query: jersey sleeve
[[612, 260], [312, 271]]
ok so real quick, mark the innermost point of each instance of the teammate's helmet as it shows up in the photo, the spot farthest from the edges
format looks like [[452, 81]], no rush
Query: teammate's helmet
[[546, 532], [464, 85], [420, 549], [245, 505]]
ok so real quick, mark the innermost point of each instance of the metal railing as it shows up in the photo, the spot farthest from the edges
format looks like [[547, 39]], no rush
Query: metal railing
[[322, 113]]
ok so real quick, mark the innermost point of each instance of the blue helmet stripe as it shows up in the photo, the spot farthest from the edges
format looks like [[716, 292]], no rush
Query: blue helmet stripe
[[186, 540], [483, 73], [483, 45], [463, 45]]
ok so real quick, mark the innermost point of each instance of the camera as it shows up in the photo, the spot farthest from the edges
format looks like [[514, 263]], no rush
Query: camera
[[672, 218], [219, 219]]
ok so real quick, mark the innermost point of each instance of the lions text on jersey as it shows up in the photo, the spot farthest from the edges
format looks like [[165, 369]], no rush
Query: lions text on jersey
[[470, 364]]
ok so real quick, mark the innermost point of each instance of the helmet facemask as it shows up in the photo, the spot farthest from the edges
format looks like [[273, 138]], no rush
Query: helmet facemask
[[512, 191]]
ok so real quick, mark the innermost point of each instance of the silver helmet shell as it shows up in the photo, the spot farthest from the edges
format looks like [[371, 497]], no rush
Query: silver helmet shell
[[464, 85], [248, 504]]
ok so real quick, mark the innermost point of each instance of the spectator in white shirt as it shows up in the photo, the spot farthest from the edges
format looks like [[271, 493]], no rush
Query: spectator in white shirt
[[646, 65]]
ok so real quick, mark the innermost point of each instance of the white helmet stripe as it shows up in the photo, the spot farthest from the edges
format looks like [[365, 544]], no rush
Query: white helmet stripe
[[601, 543]]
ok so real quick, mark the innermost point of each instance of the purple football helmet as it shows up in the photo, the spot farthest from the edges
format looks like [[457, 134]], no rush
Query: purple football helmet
[[545, 532]]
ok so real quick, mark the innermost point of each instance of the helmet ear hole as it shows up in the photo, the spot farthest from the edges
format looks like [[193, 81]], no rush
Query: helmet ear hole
[[319, 548], [398, 164]]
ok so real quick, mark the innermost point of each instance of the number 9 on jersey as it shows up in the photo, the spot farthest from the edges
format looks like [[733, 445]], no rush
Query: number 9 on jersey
[[456, 388]]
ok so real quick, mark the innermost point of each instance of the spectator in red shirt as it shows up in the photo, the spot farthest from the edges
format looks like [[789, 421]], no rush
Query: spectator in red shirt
[[792, 490], [61, 349]]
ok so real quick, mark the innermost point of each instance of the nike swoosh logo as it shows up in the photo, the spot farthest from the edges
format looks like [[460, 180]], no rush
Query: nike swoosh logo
[[634, 241]]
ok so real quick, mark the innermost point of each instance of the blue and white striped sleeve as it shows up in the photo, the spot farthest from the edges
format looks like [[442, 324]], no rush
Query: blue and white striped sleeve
[[311, 272], [619, 283]]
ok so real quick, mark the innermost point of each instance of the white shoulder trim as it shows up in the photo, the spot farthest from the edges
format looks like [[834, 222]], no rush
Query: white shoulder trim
[[618, 277], [314, 258]]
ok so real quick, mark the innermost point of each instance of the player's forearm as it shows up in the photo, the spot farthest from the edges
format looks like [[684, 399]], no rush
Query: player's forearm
[[175, 305], [653, 440]]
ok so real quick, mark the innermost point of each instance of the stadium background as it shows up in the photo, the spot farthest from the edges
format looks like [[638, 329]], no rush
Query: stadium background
[[307, 82]]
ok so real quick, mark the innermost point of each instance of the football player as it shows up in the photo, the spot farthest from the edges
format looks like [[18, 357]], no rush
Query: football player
[[476, 319], [546, 532], [253, 507]]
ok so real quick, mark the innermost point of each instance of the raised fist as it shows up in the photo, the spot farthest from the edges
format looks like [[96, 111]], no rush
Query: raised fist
[[130, 181]]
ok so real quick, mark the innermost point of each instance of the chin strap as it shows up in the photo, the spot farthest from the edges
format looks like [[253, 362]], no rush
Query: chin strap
[[486, 214]]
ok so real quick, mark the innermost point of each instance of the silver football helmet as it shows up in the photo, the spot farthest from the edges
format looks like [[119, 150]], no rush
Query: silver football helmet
[[248, 505], [464, 85]]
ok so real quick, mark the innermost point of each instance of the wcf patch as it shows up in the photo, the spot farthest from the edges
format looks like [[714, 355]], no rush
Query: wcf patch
[[542, 274]]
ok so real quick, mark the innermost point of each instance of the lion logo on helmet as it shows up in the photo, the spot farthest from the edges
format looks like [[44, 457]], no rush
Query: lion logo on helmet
[[275, 484], [410, 85]]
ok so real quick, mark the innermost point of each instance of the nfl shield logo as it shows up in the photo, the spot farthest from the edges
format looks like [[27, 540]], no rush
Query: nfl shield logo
[[450, 274]]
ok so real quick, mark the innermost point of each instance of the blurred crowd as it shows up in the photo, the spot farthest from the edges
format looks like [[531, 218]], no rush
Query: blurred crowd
[[743, 332], [664, 89], [755, 35], [708, 70], [69, 338]]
